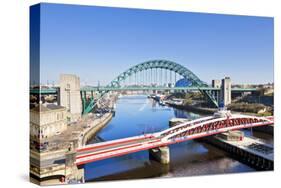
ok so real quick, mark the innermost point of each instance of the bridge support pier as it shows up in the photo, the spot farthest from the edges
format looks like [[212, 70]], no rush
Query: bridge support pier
[[160, 154], [72, 172]]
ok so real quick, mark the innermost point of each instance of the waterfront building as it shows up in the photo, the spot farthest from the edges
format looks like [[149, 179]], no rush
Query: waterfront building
[[183, 83], [47, 121], [70, 96]]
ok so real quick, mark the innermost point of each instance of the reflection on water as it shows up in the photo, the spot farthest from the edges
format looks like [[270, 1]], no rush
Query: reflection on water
[[137, 115]]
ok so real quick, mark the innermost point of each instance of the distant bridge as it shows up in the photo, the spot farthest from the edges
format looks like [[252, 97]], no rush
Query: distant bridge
[[218, 123], [155, 75], [51, 91]]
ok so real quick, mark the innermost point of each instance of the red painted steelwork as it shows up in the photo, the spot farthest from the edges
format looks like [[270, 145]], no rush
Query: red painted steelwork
[[203, 130], [112, 143]]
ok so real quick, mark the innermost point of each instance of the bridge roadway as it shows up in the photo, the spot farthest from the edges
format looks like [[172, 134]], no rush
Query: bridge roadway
[[121, 145], [185, 131], [50, 91]]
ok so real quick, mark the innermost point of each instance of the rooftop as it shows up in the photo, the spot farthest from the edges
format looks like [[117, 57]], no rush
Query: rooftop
[[45, 108]]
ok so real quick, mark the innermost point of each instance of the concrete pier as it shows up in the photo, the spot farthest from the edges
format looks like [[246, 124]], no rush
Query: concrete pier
[[72, 173], [249, 150], [160, 154]]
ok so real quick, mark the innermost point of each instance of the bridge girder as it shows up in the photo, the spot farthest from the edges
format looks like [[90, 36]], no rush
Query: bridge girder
[[168, 65], [159, 64], [157, 139], [187, 129]]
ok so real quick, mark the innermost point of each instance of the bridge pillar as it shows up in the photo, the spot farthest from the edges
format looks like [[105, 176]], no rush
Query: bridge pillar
[[217, 84], [160, 154], [70, 95], [226, 91], [72, 172]]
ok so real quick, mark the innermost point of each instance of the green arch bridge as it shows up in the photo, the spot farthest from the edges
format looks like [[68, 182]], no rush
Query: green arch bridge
[[154, 75]]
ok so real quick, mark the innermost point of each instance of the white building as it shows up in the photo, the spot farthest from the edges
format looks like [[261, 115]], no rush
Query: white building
[[47, 121]]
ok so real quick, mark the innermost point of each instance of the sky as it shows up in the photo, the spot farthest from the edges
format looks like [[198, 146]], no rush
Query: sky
[[99, 43]]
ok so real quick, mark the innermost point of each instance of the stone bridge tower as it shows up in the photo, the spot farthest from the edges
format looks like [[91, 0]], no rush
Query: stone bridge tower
[[70, 96], [224, 94], [226, 91]]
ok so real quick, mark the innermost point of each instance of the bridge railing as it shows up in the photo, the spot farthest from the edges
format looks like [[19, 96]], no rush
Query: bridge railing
[[113, 142], [202, 129], [188, 123], [218, 124]]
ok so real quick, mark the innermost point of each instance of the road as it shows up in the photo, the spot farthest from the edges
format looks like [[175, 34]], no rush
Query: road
[[118, 144]]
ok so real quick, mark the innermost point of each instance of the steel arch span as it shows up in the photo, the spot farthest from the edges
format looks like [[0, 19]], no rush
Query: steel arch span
[[149, 65], [168, 65], [159, 64]]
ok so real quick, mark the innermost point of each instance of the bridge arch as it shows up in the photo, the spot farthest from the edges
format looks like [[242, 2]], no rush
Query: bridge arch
[[150, 65], [213, 126], [158, 64]]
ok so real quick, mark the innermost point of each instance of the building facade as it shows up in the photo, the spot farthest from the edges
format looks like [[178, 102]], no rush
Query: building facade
[[47, 121], [70, 96]]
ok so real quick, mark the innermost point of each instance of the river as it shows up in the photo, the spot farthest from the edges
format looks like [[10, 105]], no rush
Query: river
[[137, 115]]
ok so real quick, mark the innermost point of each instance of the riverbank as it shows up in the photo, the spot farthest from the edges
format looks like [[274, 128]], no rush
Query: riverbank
[[204, 110], [50, 165], [191, 108], [94, 128]]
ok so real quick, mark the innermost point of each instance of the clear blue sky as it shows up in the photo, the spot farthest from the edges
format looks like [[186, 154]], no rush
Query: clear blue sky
[[98, 43]]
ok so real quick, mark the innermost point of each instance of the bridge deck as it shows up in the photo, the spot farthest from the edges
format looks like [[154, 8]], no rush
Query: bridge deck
[[206, 127], [113, 146], [46, 91]]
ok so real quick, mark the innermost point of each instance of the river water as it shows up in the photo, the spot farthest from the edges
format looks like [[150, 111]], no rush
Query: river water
[[137, 115]]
